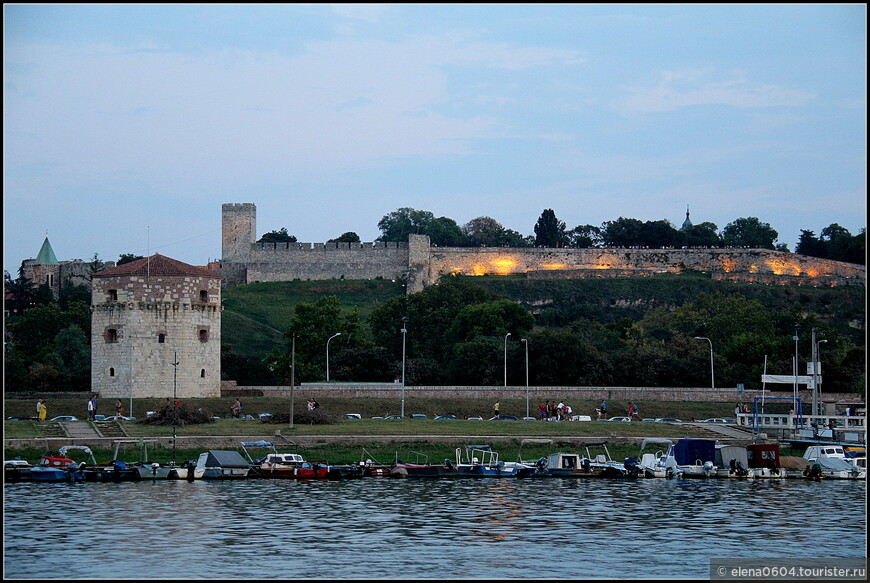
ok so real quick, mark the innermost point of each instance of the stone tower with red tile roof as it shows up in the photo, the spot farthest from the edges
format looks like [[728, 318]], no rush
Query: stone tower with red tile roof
[[146, 316]]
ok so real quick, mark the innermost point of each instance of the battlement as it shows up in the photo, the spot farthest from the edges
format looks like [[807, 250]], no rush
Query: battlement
[[420, 264]]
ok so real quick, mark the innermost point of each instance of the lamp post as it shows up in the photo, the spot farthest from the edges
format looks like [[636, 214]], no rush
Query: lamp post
[[327, 354], [795, 338], [293, 379], [404, 336], [525, 342], [505, 358], [817, 378], [712, 375], [174, 364]]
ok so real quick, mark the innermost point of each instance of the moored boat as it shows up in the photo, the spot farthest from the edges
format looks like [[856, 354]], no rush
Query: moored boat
[[17, 470], [218, 464], [57, 467], [653, 464], [732, 461], [831, 462], [282, 465], [693, 458], [565, 465]]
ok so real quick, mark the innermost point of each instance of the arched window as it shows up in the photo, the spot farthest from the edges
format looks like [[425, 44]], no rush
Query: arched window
[[202, 373], [161, 338], [112, 371]]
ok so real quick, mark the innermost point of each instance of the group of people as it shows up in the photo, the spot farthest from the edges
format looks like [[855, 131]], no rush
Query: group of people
[[550, 411]]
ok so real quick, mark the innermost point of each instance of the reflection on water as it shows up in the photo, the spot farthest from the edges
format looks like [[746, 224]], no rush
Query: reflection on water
[[449, 528]]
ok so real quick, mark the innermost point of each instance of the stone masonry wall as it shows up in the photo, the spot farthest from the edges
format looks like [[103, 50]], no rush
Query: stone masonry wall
[[145, 309]]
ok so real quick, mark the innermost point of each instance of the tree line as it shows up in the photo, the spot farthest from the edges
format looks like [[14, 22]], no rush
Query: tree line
[[835, 242]]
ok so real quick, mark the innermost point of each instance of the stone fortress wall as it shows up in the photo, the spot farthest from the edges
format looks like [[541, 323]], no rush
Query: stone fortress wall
[[420, 264]]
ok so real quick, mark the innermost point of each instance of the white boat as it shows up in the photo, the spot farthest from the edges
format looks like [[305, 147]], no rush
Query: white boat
[[830, 462], [653, 464], [693, 458], [217, 464]]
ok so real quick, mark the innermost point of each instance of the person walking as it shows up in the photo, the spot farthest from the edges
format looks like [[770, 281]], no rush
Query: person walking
[[496, 408], [43, 411], [92, 407]]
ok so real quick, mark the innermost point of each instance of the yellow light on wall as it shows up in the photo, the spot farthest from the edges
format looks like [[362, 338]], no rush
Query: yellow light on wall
[[728, 265], [553, 265], [504, 265]]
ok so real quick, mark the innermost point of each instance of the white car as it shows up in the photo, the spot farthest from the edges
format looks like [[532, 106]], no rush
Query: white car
[[64, 418], [717, 420], [624, 419]]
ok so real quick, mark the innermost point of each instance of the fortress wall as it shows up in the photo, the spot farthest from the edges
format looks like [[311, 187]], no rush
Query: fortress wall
[[315, 261], [742, 263]]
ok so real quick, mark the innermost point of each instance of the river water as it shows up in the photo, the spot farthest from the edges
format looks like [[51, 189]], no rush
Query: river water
[[406, 529]]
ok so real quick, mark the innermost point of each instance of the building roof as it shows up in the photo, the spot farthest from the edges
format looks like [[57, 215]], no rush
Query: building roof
[[157, 265], [687, 224], [46, 254]]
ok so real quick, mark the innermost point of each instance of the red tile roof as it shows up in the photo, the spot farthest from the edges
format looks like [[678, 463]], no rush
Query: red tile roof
[[157, 265]]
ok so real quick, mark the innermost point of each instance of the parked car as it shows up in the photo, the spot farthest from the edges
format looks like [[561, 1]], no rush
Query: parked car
[[392, 416], [717, 420], [64, 418], [446, 417], [668, 420], [419, 416], [20, 418], [625, 419], [529, 419], [118, 418], [475, 419], [264, 416], [504, 418], [352, 416]]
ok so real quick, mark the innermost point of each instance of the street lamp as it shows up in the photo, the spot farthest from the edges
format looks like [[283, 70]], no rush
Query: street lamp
[[505, 358], [712, 376], [795, 337], [404, 335], [327, 354], [817, 376], [174, 364], [525, 342], [293, 380]]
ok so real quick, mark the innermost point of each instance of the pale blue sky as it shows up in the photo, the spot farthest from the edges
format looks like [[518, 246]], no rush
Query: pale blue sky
[[126, 127]]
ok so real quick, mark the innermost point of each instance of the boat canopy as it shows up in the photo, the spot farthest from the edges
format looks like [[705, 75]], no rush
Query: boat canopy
[[689, 452], [223, 458]]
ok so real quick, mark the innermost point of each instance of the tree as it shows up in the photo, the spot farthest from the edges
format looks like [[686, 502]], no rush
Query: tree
[[622, 232], [348, 237], [20, 293], [550, 231], [444, 232], [702, 235], [483, 232], [128, 258], [659, 234], [749, 232], [584, 236], [399, 224], [279, 236]]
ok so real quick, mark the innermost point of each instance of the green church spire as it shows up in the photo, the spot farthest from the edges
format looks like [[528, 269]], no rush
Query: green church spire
[[46, 253]]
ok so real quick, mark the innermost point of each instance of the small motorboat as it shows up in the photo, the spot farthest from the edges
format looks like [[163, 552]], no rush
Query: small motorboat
[[653, 464], [830, 462], [284, 465], [693, 458], [605, 467], [218, 464], [480, 461], [58, 467]]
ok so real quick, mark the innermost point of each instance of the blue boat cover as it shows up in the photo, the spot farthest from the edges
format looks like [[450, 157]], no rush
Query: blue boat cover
[[687, 452]]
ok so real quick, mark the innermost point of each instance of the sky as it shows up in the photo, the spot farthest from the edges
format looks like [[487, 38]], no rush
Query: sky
[[126, 127]]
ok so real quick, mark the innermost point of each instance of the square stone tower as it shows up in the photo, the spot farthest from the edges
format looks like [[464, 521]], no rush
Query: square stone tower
[[147, 315]]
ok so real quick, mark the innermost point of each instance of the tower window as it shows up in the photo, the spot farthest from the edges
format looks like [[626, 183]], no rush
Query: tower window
[[112, 295], [203, 335], [161, 338], [202, 373], [110, 335], [112, 371], [203, 296]]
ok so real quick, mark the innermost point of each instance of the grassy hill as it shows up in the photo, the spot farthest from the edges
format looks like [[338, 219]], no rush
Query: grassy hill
[[256, 315]]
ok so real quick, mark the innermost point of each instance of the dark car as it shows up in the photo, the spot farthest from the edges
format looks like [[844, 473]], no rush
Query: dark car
[[446, 417], [419, 416], [504, 418]]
